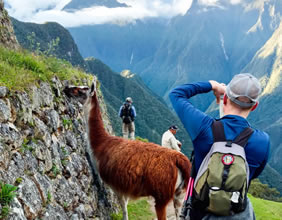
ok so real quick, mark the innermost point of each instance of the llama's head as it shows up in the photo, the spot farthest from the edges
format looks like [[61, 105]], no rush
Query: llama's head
[[83, 94]]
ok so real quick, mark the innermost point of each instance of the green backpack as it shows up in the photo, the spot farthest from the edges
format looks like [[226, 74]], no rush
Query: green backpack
[[221, 184]]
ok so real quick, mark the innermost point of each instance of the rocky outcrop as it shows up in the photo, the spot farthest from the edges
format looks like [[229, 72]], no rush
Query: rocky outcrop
[[43, 151], [7, 36]]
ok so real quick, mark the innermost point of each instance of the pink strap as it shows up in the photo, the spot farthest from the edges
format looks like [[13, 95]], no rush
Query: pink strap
[[191, 190], [188, 188]]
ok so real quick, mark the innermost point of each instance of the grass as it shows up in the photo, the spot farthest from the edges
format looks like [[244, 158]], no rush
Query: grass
[[265, 209], [137, 210], [22, 69], [7, 194]]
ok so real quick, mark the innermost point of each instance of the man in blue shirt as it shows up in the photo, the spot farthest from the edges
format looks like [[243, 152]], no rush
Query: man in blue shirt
[[240, 98]]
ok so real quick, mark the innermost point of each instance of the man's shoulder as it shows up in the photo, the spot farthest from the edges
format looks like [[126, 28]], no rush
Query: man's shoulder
[[261, 136], [169, 134], [166, 133]]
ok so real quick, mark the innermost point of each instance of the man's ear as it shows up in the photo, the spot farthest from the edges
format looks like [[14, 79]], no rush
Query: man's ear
[[224, 99], [255, 106]]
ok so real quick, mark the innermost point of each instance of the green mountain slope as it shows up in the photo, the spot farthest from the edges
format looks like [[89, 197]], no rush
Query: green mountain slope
[[44, 35], [267, 65]]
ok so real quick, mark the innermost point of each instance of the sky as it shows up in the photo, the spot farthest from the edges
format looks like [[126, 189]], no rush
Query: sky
[[41, 11]]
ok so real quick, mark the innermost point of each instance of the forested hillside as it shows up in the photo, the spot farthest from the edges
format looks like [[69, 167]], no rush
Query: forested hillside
[[50, 39]]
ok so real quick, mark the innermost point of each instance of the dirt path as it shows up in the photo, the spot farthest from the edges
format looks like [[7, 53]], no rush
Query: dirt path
[[170, 213]]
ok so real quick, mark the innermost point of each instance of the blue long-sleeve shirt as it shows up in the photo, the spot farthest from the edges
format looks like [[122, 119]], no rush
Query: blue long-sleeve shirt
[[199, 126]]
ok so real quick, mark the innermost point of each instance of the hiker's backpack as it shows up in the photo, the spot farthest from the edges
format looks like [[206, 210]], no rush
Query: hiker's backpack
[[126, 113], [221, 184]]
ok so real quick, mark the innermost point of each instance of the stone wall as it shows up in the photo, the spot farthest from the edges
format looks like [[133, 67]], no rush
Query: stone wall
[[43, 144]]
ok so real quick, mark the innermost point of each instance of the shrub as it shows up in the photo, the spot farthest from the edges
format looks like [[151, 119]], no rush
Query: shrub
[[7, 194]]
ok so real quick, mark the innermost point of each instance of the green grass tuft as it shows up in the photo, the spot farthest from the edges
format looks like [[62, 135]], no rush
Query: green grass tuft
[[7, 194], [137, 210], [21, 69]]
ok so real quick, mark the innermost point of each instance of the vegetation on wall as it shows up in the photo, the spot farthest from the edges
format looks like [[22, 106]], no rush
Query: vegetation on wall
[[7, 194], [21, 69]]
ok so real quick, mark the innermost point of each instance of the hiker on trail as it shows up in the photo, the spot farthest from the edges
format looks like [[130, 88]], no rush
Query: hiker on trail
[[240, 97], [127, 113], [169, 140]]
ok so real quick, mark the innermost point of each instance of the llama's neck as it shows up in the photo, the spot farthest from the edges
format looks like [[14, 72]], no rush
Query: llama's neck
[[96, 130]]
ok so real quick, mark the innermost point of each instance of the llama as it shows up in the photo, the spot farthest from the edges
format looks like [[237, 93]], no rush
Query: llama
[[133, 168]]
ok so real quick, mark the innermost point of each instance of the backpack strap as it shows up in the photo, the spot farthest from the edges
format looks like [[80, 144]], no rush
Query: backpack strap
[[243, 137], [218, 131], [219, 135]]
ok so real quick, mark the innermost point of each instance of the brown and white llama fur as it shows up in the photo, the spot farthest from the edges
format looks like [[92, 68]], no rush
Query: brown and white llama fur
[[133, 168]]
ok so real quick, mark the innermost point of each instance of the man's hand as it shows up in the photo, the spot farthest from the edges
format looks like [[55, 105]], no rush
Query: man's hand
[[218, 89], [179, 144]]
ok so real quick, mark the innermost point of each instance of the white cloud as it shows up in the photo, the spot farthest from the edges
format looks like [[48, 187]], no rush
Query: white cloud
[[208, 2], [218, 2], [40, 11], [235, 2]]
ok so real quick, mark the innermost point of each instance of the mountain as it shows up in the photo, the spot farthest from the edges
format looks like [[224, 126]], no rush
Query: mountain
[[80, 4], [42, 37], [153, 115], [198, 46], [121, 47], [209, 42], [267, 65]]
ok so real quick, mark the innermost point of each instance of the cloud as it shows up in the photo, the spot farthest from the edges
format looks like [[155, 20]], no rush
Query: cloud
[[40, 11], [218, 2], [235, 2], [208, 2]]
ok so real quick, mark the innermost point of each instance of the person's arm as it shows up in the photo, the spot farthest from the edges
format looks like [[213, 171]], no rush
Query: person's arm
[[133, 111], [192, 118], [179, 143], [174, 143], [119, 112]]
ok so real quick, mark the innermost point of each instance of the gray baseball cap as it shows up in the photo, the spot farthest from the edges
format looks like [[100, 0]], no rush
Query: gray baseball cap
[[244, 85]]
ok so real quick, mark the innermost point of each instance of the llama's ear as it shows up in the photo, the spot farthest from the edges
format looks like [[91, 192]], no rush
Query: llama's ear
[[93, 86]]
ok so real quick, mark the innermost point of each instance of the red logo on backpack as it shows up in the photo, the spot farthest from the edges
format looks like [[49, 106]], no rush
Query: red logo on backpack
[[227, 159]]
